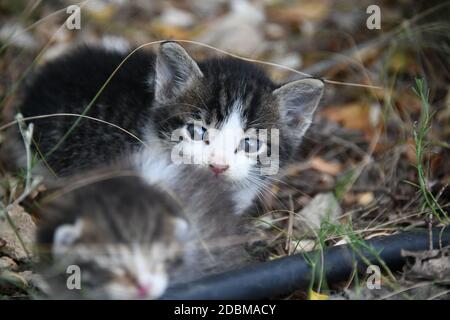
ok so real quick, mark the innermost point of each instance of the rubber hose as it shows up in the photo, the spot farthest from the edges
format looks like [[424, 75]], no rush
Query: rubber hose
[[287, 274]]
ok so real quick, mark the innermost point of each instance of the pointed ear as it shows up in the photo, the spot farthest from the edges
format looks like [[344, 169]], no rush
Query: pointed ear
[[175, 71], [181, 228], [65, 235], [298, 101]]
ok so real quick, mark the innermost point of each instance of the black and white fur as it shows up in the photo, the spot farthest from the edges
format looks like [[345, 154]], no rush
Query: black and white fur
[[154, 95]]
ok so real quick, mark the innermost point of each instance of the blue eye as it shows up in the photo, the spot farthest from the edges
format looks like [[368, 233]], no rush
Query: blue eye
[[250, 145], [196, 133]]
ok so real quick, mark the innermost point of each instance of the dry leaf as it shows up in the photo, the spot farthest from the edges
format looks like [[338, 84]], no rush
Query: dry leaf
[[365, 198], [317, 296], [304, 245], [332, 168], [352, 116], [299, 11], [323, 206]]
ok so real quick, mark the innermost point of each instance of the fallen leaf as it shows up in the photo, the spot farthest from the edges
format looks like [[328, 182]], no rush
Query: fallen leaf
[[7, 263], [323, 207], [171, 32], [365, 198], [317, 296], [332, 168], [344, 240], [352, 116], [299, 11], [304, 245]]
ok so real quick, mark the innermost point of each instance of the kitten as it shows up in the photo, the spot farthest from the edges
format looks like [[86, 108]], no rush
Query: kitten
[[212, 113], [131, 236], [121, 242]]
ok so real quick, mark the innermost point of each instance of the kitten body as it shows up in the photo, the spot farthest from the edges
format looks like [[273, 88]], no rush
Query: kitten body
[[214, 114]]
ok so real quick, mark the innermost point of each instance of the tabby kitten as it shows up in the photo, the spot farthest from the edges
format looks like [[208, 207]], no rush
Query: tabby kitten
[[212, 113], [131, 236], [122, 243]]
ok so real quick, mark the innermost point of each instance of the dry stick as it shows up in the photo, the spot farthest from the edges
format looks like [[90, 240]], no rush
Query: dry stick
[[418, 285], [348, 54], [288, 246], [272, 64], [85, 181], [439, 295]]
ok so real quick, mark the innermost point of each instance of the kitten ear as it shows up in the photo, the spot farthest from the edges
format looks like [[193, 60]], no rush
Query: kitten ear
[[65, 235], [298, 100], [181, 228], [175, 71]]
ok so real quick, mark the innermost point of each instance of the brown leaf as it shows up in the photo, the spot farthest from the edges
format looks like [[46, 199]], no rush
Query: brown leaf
[[352, 116], [332, 168], [299, 11]]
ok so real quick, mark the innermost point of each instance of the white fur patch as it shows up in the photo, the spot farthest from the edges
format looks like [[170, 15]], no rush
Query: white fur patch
[[65, 235], [155, 166], [222, 147], [150, 274]]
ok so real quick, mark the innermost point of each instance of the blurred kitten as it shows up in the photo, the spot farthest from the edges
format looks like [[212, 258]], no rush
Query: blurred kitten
[[121, 232], [131, 236]]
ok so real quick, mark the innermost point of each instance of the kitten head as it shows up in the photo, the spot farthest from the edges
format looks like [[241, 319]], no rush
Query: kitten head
[[123, 244], [227, 115]]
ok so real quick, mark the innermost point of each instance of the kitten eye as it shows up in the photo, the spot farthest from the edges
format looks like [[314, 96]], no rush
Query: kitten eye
[[196, 133], [250, 145], [173, 263]]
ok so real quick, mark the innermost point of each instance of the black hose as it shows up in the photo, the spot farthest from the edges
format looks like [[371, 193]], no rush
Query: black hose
[[285, 275]]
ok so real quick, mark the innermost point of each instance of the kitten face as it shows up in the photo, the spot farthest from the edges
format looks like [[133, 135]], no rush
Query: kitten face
[[228, 116], [226, 148], [124, 245], [120, 271]]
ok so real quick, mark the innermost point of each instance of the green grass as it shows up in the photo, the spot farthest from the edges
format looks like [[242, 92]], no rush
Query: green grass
[[421, 130]]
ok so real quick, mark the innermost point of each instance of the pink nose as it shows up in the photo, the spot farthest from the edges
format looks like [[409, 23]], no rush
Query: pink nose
[[143, 291], [218, 169]]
